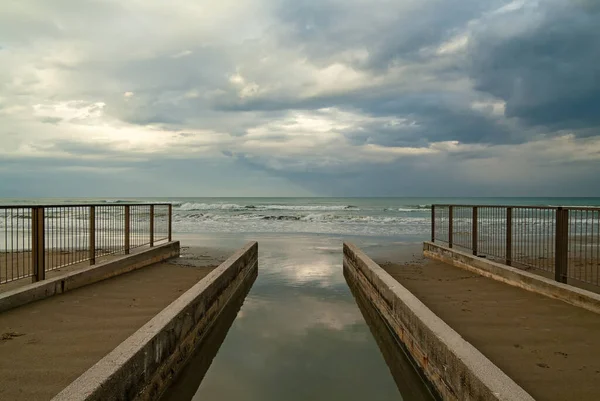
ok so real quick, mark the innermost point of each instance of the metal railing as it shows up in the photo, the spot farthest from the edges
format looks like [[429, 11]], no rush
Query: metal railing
[[37, 239], [563, 241]]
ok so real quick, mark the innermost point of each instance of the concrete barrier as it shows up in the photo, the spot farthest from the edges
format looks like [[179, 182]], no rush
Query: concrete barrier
[[88, 275], [186, 384], [409, 378], [513, 276], [144, 365], [456, 369]]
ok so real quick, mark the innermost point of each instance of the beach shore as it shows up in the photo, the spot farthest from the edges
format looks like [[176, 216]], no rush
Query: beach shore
[[47, 344], [548, 347]]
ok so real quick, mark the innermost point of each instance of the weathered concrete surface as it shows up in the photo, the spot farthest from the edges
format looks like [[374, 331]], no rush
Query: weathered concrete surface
[[454, 367], [70, 281], [191, 376], [513, 276], [409, 378], [548, 347], [46, 345], [143, 366]]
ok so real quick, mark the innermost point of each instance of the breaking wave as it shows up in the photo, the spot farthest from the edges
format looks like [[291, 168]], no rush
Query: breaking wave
[[236, 207], [307, 217]]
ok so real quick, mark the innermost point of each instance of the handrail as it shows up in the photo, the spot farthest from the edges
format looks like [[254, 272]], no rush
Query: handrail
[[560, 240], [521, 206], [82, 205], [35, 239]]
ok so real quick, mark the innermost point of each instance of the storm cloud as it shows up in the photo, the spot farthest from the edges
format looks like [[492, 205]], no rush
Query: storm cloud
[[350, 98], [546, 67]]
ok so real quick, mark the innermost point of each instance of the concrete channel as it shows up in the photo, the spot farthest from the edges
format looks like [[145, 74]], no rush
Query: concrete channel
[[187, 334], [144, 365], [409, 378], [453, 367], [189, 379]]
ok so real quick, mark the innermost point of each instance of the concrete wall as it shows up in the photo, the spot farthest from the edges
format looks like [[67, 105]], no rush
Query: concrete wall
[[191, 376], [144, 365], [456, 369], [513, 276], [88, 275], [411, 382]]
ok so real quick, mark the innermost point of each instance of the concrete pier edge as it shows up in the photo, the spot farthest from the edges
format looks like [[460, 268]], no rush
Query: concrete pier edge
[[456, 369], [513, 276], [145, 364], [87, 275]]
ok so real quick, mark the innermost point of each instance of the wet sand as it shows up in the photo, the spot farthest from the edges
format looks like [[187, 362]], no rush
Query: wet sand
[[46, 345], [548, 347]]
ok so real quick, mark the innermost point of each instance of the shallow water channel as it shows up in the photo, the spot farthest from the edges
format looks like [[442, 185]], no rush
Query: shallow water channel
[[299, 333]]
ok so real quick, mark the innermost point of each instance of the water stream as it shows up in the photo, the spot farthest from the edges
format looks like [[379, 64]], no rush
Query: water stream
[[299, 333]]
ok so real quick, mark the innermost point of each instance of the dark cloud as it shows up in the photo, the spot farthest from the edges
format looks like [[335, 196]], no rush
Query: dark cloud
[[447, 176], [389, 32], [435, 117], [546, 68], [430, 116]]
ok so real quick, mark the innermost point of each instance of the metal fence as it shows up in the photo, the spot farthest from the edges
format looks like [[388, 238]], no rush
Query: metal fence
[[37, 239], [563, 241]]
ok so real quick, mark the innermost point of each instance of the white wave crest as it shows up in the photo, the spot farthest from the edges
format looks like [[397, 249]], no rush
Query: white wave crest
[[306, 207], [236, 207], [210, 206]]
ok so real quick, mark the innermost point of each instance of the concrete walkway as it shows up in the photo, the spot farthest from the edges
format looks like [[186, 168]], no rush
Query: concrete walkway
[[45, 345], [548, 347]]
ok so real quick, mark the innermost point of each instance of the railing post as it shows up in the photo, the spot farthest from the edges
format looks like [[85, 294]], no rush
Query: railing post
[[92, 235], [127, 229], [432, 223], [450, 228], [474, 231], [151, 225], [561, 248], [509, 221], [171, 223], [38, 256]]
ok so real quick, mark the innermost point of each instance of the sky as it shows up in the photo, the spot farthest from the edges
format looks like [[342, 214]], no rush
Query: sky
[[299, 98]]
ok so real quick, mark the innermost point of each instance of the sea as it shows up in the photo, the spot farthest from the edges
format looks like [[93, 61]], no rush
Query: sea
[[371, 217]]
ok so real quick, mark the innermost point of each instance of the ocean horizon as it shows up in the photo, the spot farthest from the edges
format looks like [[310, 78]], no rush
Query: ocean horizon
[[405, 218]]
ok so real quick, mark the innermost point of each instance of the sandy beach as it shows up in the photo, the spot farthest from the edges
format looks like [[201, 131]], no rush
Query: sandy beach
[[548, 347], [46, 345]]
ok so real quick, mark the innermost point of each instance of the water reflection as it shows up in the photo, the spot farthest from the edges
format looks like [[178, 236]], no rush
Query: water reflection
[[299, 334], [191, 376], [410, 383]]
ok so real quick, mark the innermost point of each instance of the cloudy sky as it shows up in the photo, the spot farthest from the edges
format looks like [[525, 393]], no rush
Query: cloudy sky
[[299, 98]]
